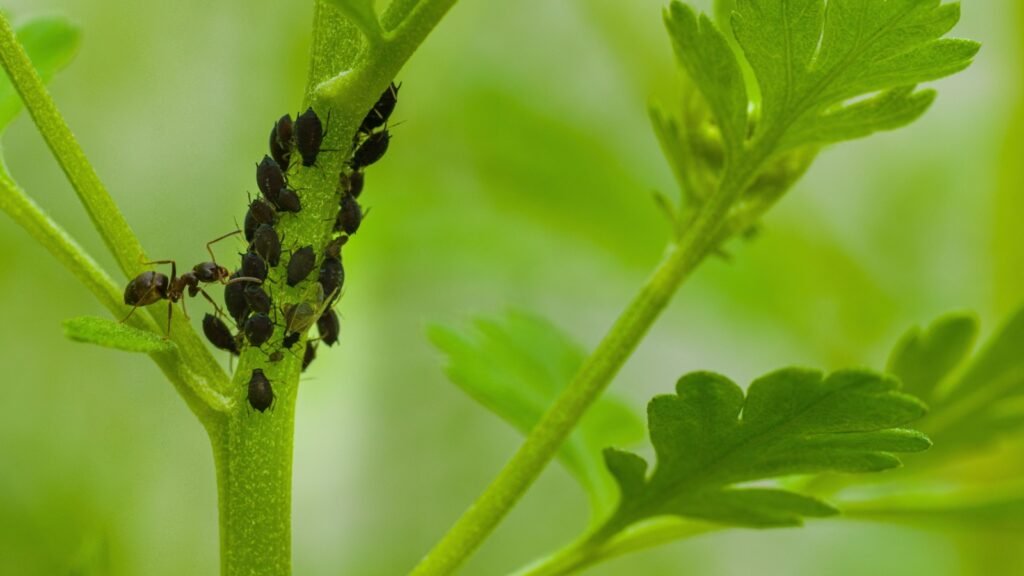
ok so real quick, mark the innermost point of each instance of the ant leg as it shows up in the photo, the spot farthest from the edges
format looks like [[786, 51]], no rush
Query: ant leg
[[170, 313], [216, 308], [215, 240]]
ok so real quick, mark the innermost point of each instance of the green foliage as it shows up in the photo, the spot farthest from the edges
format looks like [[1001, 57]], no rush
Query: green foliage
[[51, 43], [516, 366], [117, 335], [924, 358], [974, 401], [708, 439]]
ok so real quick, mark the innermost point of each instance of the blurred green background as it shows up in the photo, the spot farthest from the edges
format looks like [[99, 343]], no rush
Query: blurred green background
[[521, 177]]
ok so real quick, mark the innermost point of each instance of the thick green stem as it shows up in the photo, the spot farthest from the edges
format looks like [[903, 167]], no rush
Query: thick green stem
[[253, 450], [593, 377]]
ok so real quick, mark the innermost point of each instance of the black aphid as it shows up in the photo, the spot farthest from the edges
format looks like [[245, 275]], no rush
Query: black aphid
[[281, 141], [258, 329], [234, 298], [333, 248], [288, 200], [257, 299], [269, 178], [301, 264], [261, 394], [290, 339], [309, 135], [218, 333], [253, 266], [381, 111], [350, 184], [260, 212], [332, 277], [329, 327], [267, 244], [309, 355], [371, 150], [350, 216]]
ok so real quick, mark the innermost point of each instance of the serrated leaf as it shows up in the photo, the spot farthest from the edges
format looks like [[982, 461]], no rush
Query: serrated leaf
[[810, 58], [709, 439], [117, 335], [924, 358], [985, 399], [705, 54], [516, 366], [51, 43], [825, 72]]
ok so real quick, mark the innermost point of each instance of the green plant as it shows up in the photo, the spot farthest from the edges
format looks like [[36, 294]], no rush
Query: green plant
[[766, 89]]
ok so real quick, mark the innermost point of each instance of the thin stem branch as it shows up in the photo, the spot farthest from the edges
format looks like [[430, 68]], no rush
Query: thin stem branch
[[579, 555], [202, 371], [203, 400], [593, 377]]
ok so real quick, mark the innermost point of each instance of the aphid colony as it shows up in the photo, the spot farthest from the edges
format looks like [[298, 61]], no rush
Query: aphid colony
[[248, 304]]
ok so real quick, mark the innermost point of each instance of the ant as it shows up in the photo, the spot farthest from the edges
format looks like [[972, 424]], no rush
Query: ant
[[150, 287]]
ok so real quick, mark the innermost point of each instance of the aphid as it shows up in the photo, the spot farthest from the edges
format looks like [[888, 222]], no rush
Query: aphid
[[309, 135], [260, 212], [333, 248], [350, 184], [301, 264], [150, 286], [288, 200], [235, 300], [350, 216], [371, 150], [269, 178], [267, 244], [309, 355], [218, 333], [257, 299], [290, 339], [381, 111], [298, 317], [281, 141], [328, 327], [332, 275], [258, 329], [253, 266], [261, 394]]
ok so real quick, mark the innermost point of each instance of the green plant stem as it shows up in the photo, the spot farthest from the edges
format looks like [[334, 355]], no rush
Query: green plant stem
[[105, 215], [202, 372], [580, 555], [203, 401], [253, 451], [593, 377]]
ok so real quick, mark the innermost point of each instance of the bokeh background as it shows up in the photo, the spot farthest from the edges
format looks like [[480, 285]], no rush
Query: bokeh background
[[520, 178]]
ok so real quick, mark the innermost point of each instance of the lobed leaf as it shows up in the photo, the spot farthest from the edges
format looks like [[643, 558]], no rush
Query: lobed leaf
[[51, 43], [709, 438], [516, 366], [975, 400], [117, 335]]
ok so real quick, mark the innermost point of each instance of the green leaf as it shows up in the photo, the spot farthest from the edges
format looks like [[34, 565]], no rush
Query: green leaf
[[978, 403], [705, 54], [516, 366], [709, 439], [117, 335], [51, 42], [811, 61], [923, 359]]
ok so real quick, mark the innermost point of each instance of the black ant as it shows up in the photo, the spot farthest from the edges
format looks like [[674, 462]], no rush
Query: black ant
[[150, 287]]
